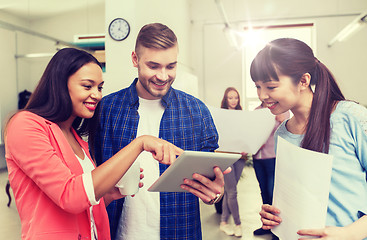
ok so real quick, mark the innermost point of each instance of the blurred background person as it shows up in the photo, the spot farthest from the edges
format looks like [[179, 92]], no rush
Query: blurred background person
[[231, 100]]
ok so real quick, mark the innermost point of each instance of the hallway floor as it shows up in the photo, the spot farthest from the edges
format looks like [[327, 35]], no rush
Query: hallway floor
[[249, 201], [9, 218], [248, 197]]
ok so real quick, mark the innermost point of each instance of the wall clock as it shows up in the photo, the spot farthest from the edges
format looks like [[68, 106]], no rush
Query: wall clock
[[119, 29]]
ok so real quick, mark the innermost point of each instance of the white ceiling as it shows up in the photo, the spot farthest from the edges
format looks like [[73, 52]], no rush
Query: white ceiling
[[35, 9]]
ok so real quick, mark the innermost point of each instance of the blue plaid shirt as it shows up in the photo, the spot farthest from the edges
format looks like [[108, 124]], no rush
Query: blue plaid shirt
[[186, 122]]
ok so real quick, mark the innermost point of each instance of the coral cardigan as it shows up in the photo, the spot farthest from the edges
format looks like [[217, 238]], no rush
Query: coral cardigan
[[46, 179]]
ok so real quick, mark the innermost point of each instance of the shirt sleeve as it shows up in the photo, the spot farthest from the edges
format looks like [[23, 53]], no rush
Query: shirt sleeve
[[209, 133], [89, 188], [360, 133]]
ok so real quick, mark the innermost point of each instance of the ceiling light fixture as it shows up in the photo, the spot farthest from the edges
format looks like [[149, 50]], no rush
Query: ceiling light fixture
[[229, 32], [358, 23]]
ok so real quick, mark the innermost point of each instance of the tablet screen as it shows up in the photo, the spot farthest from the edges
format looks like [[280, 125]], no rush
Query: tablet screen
[[188, 163]]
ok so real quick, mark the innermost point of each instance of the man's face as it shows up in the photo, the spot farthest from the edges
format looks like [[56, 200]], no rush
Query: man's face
[[156, 71]]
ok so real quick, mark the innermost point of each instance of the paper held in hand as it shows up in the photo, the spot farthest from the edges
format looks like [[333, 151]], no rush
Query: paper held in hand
[[242, 131], [301, 189]]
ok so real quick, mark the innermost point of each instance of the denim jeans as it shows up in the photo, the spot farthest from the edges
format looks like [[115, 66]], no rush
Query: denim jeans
[[264, 170]]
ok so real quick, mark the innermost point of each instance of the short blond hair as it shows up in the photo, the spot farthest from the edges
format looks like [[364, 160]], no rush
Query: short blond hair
[[155, 35]]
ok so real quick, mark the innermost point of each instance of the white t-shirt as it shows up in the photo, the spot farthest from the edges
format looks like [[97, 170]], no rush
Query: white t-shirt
[[140, 219]]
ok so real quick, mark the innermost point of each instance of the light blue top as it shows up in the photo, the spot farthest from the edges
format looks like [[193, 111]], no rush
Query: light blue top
[[348, 145]]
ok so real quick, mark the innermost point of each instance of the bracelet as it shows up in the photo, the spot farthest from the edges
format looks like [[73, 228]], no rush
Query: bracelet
[[217, 198]]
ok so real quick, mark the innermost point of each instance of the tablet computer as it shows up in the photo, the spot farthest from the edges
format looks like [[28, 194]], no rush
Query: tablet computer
[[188, 163]]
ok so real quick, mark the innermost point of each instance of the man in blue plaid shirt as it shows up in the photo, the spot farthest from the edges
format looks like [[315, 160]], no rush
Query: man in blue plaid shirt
[[150, 106]]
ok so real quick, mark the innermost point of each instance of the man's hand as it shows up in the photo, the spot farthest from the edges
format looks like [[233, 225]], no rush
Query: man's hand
[[210, 191]]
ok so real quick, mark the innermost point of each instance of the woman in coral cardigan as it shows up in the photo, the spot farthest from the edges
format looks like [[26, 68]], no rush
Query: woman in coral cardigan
[[59, 192]]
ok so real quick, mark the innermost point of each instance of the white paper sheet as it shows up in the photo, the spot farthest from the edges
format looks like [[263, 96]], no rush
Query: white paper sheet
[[301, 189], [242, 131]]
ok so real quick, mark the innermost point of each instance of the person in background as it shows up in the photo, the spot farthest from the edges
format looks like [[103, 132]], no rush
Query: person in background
[[59, 193], [323, 121], [151, 106], [264, 166], [23, 98], [231, 100]]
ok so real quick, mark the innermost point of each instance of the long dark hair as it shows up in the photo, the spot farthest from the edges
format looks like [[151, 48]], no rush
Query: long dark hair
[[51, 99], [294, 58], [224, 103]]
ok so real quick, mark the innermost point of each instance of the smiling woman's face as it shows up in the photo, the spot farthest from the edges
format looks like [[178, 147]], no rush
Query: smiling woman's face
[[85, 90], [232, 99], [279, 96]]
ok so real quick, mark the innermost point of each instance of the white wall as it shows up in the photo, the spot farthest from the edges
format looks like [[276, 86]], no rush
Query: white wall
[[24, 73], [8, 49], [189, 19], [8, 91], [64, 27], [344, 59]]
